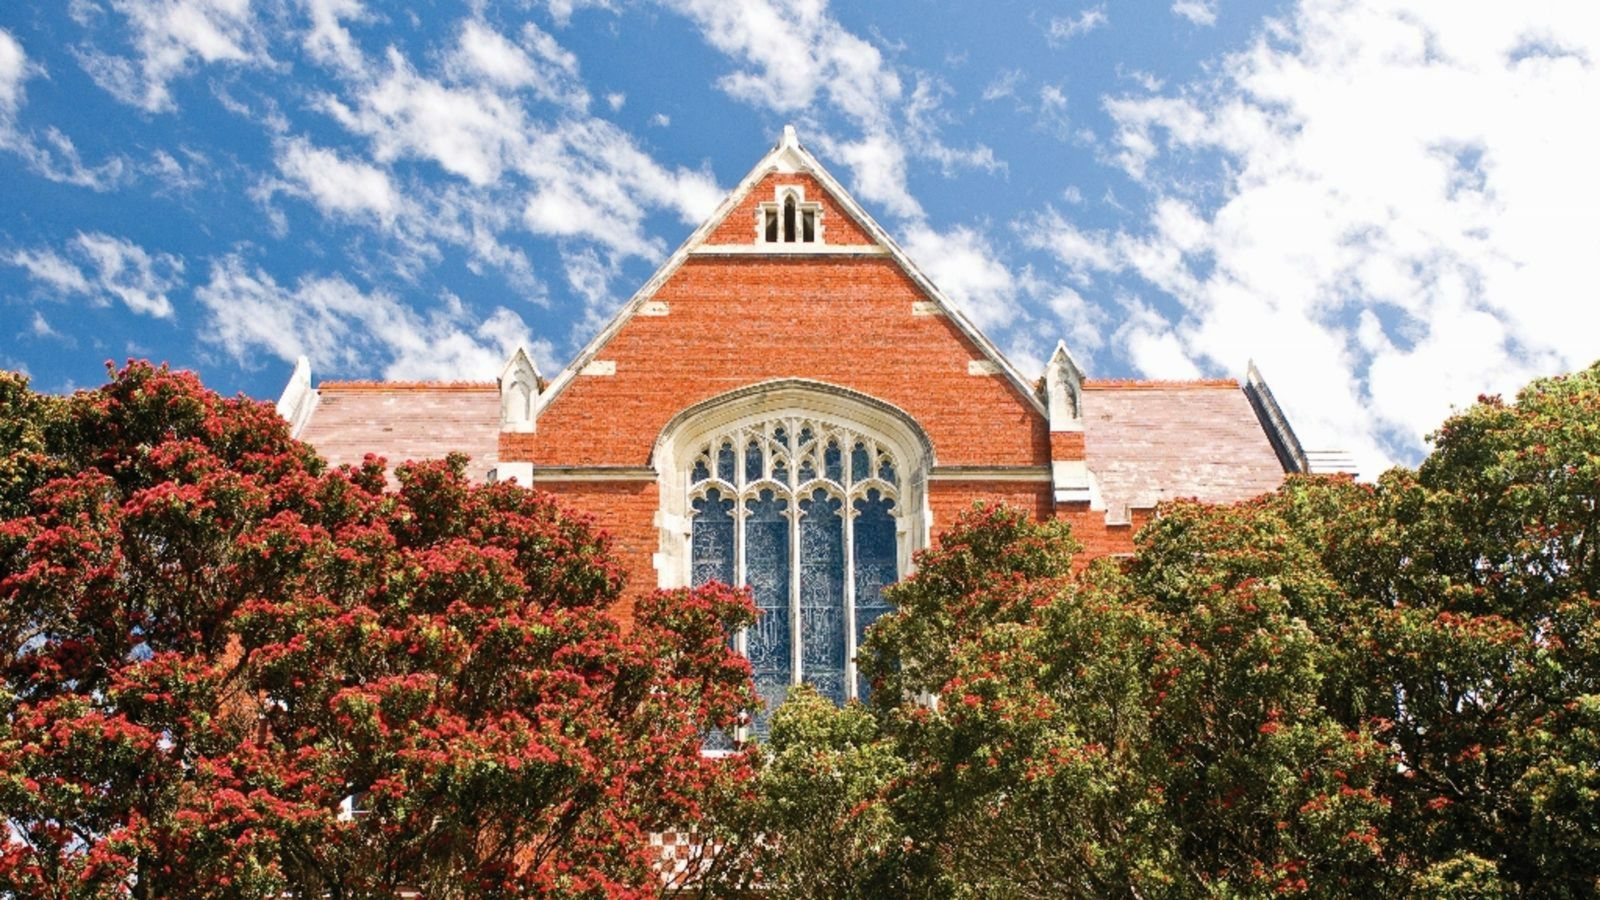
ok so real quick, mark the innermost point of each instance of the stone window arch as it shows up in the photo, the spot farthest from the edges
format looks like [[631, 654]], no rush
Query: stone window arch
[[812, 495]]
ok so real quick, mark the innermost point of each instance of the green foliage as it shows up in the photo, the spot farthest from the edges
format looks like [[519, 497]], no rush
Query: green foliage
[[1335, 689], [816, 823]]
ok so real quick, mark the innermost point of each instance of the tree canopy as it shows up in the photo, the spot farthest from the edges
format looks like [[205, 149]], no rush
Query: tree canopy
[[1335, 689], [230, 671]]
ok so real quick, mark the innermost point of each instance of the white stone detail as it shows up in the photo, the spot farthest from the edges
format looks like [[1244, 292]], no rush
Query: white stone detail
[[519, 472], [298, 399], [599, 367], [653, 308], [925, 308], [670, 522], [983, 367], [772, 213], [1063, 385], [519, 393]]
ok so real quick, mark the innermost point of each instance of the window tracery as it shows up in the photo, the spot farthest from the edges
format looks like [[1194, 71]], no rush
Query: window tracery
[[804, 511], [790, 219]]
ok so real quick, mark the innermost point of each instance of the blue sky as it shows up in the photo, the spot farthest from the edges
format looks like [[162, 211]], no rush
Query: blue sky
[[1391, 206]]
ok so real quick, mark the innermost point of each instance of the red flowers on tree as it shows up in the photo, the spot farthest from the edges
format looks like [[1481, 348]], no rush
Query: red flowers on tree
[[229, 671]]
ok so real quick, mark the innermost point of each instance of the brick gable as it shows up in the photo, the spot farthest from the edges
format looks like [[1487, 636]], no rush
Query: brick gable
[[734, 321]]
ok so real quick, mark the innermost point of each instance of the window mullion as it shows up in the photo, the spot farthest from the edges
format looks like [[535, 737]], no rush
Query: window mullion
[[849, 598], [796, 650]]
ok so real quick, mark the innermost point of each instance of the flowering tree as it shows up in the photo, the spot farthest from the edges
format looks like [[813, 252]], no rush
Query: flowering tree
[[231, 672]]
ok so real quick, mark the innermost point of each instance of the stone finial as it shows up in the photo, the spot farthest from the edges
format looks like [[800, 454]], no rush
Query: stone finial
[[519, 392], [298, 399], [1063, 382]]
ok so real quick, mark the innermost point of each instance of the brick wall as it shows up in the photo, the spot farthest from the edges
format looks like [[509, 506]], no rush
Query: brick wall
[[625, 512], [735, 321]]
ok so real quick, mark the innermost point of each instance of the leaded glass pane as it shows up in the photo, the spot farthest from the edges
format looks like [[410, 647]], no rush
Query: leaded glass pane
[[711, 551], [860, 463], [886, 469], [766, 555], [876, 564], [701, 471], [834, 462], [822, 620], [782, 437], [712, 540], [780, 471], [752, 461], [725, 462], [808, 470]]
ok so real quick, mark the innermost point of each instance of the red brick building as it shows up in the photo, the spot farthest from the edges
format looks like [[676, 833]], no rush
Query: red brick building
[[790, 403]]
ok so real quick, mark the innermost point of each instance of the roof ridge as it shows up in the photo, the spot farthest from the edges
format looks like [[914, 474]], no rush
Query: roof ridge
[[1138, 384], [408, 386]]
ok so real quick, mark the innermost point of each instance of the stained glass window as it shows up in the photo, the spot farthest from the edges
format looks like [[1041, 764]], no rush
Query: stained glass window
[[712, 559], [875, 563], [822, 613], [769, 641], [816, 552]]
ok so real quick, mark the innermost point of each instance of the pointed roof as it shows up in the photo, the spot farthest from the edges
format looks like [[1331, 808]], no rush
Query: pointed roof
[[790, 156], [520, 363]]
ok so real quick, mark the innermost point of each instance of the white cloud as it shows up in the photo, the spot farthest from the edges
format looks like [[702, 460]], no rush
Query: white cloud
[[52, 271], [103, 268], [508, 119], [52, 154], [41, 328], [795, 59], [13, 72], [1003, 85], [615, 100], [349, 331], [966, 268], [469, 133], [1064, 28], [1151, 346], [1199, 12], [169, 38], [550, 71], [1405, 204], [141, 281], [171, 173], [336, 185], [327, 40], [582, 177], [561, 10]]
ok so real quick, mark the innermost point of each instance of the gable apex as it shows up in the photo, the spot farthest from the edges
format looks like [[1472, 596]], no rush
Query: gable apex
[[789, 157]]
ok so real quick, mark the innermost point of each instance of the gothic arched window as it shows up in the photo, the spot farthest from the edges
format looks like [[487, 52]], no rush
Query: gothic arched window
[[789, 219], [804, 511]]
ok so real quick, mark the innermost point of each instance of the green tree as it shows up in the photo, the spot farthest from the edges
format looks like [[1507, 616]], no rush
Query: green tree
[[1337, 688]]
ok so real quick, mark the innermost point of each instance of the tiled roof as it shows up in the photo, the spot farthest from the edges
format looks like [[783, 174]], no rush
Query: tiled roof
[[1148, 441], [403, 421]]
